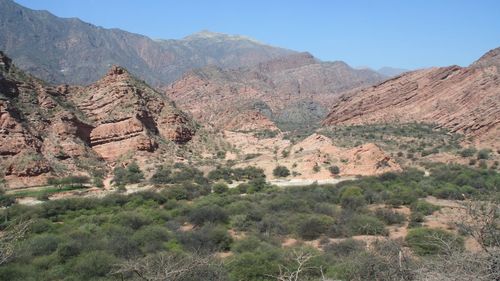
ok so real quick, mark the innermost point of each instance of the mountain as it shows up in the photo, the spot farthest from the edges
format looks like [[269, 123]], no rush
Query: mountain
[[287, 92], [391, 71], [47, 130], [68, 50], [463, 99]]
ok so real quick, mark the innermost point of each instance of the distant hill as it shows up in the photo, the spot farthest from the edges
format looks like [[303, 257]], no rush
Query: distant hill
[[68, 50]]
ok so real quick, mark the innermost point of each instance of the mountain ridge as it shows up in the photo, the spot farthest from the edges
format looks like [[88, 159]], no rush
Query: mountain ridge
[[71, 51]]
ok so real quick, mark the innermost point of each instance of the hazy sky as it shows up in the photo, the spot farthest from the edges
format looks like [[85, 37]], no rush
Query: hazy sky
[[405, 33]]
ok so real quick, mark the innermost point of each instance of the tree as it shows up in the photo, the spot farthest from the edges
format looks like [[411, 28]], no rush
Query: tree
[[173, 267], [161, 176], [281, 172], [220, 188], [131, 174], [9, 238]]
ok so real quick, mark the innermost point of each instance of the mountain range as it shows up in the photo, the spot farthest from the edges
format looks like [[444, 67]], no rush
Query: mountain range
[[70, 51], [80, 99]]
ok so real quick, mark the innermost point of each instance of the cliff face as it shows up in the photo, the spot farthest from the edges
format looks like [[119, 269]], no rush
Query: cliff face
[[46, 130], [129, 115], [464, 100], [289, 91]]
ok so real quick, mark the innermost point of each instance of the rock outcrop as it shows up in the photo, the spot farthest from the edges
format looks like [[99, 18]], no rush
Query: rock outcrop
[[465, 100], [128, 115], [52, 131]]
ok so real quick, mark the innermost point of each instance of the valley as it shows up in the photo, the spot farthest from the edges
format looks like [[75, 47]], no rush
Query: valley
[[221, 158]]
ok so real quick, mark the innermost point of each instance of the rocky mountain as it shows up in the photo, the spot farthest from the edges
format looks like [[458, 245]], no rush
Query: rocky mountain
[[68, 50], [463, 99], [47, 130], [286, 92]]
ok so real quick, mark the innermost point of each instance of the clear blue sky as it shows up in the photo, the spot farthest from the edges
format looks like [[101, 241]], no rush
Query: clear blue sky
[[404, 33]]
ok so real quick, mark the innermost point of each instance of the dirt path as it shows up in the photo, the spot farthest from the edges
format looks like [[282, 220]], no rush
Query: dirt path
[[300, 182]]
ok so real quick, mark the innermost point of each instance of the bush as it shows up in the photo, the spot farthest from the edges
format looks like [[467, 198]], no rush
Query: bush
[[133, 220], [281, 172], [424, 208], [427, 241], [162, 175], [208, 214], [129, 175], [352, 198], [468, 152], [93, 264], [345, 248], [43, 244], [389, 216], [316, 168], [334, 170], [366, 225], [312, 228], [208, 238], [483, 154], [220, 188]]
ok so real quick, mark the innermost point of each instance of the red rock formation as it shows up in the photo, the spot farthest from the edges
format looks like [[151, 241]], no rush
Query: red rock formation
[[464, 100], [48, 130], [294, 89]]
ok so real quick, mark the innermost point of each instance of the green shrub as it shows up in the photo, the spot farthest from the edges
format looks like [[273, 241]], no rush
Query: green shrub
[[220, 188], [334, 170], [281, 172], [316, 168], [206, 238], [345, 248], [162, 175], [94, 264], [366, 225], [208, 214], [352, 198], [424, 207], [43, 244], [129, 175], [427, 241], [483, 154], [389, 216], [313, 227], [468, 152]]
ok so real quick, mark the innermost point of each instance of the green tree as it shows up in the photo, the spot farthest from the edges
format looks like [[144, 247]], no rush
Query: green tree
[[281, 172]]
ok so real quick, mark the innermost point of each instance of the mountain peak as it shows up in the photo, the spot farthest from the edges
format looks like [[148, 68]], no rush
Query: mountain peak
[[116, 70], [492, 57]]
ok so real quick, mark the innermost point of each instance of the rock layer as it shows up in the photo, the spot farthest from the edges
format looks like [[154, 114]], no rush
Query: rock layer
[[464, 100], [53, 131]]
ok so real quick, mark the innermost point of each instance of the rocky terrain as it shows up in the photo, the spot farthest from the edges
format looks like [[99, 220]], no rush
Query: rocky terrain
[[68, 50], [465, 100], [47, 130], [288, 92], [310, 158]]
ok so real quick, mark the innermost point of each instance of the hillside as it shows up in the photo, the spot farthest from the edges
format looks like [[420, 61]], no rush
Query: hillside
[[289, 92], [465, 100], [68, 50], [47, 130]]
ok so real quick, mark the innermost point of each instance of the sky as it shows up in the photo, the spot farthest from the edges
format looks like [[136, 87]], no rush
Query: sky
[[399, 33]]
